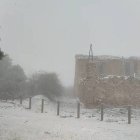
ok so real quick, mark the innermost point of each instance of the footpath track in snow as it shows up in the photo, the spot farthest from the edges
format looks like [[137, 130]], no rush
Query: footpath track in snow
[[18, 123]]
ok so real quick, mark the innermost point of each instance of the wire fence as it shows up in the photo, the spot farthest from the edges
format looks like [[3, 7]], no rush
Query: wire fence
[[65, 109]]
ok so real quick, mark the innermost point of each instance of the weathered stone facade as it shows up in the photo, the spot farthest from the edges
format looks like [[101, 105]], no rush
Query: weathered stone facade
[[93, 85]]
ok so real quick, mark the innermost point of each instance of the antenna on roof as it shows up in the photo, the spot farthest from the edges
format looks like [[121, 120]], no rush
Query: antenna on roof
[[90, 57]]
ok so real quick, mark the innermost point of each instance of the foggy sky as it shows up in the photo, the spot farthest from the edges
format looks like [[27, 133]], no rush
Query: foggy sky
[[46, 34]]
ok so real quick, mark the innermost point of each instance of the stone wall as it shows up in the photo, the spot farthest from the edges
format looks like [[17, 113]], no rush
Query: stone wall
[[90, 90]]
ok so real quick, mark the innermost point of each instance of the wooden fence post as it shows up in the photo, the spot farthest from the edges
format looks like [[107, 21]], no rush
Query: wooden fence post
[[58, 108], [30, 103], [78, 110], [102, 112], [42, 106], [20, 100], [129, 114]]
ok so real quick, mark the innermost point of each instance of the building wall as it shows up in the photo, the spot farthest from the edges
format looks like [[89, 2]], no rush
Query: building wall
[[110, 67], [106, 66]]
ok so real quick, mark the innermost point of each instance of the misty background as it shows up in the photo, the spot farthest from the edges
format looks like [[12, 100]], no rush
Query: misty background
[[45, 35]]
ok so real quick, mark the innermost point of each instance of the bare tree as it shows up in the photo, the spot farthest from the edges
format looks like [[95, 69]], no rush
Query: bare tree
[[46, 84]]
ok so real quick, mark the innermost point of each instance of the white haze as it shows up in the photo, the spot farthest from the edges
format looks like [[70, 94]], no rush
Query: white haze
[[46, 34]]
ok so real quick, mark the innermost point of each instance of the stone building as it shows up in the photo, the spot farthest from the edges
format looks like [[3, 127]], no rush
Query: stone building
[[90, 84]]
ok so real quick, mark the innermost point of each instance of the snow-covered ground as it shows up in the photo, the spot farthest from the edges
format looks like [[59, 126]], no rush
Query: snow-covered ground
[[19, 123]]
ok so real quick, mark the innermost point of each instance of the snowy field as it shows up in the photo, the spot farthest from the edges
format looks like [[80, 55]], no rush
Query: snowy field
[[19, 123]]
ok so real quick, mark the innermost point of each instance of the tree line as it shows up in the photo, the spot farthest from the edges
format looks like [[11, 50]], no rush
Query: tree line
[[14, 83]]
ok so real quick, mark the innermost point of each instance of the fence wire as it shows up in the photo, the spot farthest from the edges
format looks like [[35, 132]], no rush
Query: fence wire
[[69, 109]]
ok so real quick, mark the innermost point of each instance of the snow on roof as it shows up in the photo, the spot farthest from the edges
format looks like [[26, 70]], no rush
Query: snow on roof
[[103, 57]]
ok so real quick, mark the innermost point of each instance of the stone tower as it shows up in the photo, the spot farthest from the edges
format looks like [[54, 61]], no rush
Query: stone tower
[[100, 79]]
